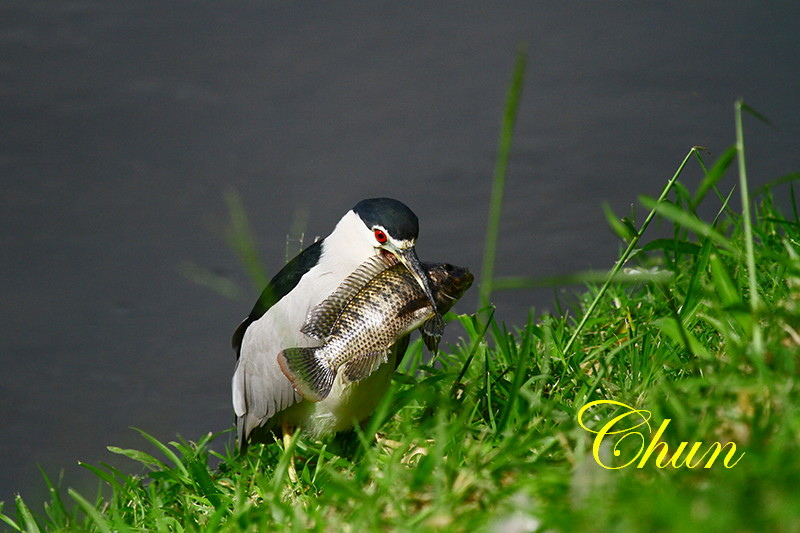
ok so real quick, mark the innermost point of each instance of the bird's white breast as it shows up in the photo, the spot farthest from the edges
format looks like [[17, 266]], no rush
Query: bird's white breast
[[259, 385]]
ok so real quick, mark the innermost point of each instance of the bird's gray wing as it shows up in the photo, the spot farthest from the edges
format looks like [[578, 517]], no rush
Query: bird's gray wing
[[278, 287], [260, 390]]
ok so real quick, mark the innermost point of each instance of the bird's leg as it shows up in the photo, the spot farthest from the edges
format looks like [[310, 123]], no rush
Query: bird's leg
[[288, 434]]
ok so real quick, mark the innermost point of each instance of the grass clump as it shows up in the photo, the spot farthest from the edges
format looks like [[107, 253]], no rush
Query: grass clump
[[701, 328]]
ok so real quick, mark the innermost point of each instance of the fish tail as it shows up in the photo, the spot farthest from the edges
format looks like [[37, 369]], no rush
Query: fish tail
[[310, 376]]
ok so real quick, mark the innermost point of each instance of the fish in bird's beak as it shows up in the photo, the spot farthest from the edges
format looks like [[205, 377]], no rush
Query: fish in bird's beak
[[408, 256]]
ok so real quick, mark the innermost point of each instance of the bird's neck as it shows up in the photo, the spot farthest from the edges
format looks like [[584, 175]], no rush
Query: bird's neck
[[345, 248]]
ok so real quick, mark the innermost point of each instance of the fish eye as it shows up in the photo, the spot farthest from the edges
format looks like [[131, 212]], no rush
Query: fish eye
[[380, 236]]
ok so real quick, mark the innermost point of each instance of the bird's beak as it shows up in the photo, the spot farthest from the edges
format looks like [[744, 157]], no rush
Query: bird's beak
[[408, 257]]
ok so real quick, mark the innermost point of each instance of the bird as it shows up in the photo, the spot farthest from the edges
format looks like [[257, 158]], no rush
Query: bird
[[264, 400]]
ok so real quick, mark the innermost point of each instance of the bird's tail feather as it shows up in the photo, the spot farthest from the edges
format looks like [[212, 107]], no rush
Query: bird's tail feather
[[310, 376]]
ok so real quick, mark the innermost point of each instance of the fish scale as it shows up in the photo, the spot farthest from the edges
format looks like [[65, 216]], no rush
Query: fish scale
[[373, 307], [372, 320]]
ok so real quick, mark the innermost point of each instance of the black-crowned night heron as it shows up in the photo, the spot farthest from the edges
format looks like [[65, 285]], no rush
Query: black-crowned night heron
[[263, 397]]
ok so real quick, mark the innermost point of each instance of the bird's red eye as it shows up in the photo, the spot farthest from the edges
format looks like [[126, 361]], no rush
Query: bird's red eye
[[380, 236]]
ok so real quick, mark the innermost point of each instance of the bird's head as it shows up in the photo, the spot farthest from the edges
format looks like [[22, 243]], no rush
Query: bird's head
[[392, 228]]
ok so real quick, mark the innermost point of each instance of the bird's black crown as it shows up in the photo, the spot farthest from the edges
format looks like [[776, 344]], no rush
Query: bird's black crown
[[394, 216]]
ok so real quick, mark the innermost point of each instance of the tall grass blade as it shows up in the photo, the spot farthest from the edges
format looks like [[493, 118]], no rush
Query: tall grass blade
[[622, 227], [166, 451], [140, 457], [91, 511], [476, 344], [241, 239], [207, 278], [520, 368], [55, 509], [788, 178], [107, 477], [688, 221], [506, 283], [499, 179], [713, 176], [744, 107], [24, 515], [285, 464], [755, 303], [625, 256], [8, 520], [694, 291]]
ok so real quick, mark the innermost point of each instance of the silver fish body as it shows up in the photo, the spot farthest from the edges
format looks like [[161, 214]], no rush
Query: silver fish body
[[358, 324]]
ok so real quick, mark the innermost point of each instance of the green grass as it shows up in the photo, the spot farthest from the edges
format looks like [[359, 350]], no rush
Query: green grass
[[701, 328]]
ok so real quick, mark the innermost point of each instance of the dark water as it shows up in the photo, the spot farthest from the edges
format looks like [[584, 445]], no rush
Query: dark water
[[122, 124]]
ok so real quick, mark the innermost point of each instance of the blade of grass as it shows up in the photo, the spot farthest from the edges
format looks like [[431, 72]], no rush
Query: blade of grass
[[8, 520], [25, 516], [520, 371], [687, 220], [788, 178], [694, 292], [625, 255], [90, 510], [55, 509], [755, 303], [713, 176], [166, 451], [107, 477], [620, 226], [499, 179], [505, 283], [285, 463], [211, 280], [241, 240], [476, 343]]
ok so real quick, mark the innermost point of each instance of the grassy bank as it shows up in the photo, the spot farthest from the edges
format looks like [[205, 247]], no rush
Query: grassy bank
[[701, 328]]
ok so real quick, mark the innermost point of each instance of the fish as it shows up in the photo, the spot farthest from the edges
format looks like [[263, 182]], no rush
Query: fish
[[370, 310]]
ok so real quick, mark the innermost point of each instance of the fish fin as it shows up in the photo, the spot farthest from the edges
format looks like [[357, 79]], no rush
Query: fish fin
[[432, 330], [310, 377], [363, 366], [413, 305], [321, 318], [320, 321]]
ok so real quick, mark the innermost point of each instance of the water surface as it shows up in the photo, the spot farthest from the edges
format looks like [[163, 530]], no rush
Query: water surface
[[124, 123]]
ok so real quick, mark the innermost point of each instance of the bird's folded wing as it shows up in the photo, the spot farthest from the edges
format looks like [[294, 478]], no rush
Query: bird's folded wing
[[260, 390]]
